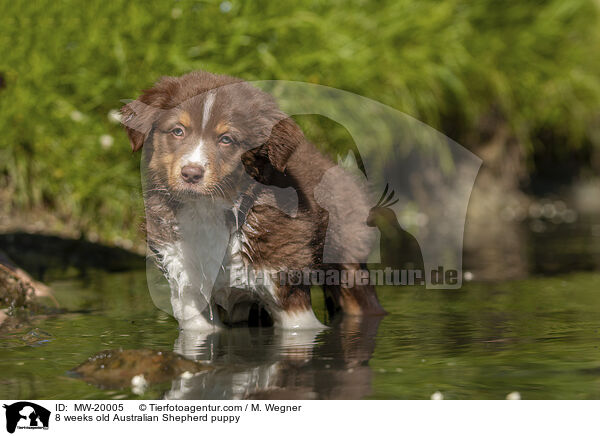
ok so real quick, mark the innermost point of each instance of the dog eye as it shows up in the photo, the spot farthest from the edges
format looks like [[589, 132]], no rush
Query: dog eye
[[178, 131], [225, 140]]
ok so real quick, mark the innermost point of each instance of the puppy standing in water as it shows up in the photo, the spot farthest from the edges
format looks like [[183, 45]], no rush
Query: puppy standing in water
[[222, 167]]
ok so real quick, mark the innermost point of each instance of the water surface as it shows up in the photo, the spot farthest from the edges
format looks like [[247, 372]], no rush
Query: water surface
[[538, 336]]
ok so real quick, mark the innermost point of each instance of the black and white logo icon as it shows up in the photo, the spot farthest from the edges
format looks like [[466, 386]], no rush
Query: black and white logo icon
[[26, 415]]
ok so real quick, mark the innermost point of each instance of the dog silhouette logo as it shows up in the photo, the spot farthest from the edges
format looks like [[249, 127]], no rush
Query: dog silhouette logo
[[26, 415]]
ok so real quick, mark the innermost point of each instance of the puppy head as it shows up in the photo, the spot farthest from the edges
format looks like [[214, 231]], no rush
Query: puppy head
[[201, 131]]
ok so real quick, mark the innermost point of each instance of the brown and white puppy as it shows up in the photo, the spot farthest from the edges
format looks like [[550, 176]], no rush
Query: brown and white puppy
[[225, 170]]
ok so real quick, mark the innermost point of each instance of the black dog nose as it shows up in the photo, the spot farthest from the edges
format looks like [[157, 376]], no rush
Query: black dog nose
[[192, 173]]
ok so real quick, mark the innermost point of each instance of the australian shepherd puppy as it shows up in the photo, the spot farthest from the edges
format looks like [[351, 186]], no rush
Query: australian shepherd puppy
[[238, 202]]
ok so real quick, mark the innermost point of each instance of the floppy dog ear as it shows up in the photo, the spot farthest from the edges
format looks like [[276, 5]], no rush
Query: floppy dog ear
[[139, 115], [138, 118], [283, 141], [257, 165], [268, 161]]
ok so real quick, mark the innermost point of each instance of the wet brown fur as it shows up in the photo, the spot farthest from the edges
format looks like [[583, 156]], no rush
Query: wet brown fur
[[272, 150]]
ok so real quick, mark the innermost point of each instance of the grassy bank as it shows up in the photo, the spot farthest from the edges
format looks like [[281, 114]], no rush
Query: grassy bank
[[65, 67]]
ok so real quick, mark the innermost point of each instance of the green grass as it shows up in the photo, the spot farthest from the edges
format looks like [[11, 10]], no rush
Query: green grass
[[448, 63]]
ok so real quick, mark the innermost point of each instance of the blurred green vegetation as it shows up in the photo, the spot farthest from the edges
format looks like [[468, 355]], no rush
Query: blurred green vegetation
[[66, 65]]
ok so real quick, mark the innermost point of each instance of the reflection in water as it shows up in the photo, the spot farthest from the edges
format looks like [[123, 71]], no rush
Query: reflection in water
[[266, 363], [537, 336], [495, 249], [500, 250]]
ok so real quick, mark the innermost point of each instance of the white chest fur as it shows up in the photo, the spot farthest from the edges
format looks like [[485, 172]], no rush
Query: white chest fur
[[205, 267], [192, 263]]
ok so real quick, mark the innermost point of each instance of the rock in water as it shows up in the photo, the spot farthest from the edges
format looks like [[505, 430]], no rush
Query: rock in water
[[17, 288], [115, 369], [14, 293]]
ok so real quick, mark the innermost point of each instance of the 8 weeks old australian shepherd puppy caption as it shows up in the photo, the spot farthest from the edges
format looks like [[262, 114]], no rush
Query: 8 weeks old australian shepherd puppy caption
[[230, 187]]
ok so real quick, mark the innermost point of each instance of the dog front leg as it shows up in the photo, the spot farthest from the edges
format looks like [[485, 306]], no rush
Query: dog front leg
[[294, 310], [192, 311]]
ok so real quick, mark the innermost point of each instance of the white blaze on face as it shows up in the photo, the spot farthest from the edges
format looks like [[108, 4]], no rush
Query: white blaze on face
[[198, 155], [208, 104]]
